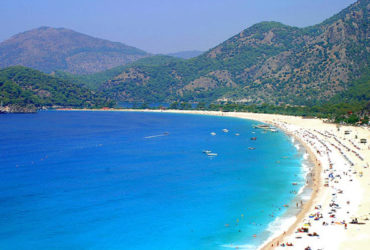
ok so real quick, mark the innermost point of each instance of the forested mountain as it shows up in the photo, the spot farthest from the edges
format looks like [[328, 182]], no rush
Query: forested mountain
[[24, 87], [49, 49], [95, 80], [268, 62]]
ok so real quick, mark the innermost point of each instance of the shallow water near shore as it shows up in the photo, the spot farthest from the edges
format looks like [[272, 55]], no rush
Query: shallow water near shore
[[127, 180]]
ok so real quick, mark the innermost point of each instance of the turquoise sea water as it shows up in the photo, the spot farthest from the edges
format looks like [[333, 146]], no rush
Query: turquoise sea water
[[91, 180]]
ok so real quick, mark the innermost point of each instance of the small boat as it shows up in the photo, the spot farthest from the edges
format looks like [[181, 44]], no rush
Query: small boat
[[237, 134], [294, 183], [213, 133], [212, 154], [261, 126], [265, 127], [251, 148], [207, 151], [225, 130], [253, 138]]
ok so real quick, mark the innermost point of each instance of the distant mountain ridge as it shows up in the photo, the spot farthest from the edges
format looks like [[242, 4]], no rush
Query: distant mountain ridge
[[267, 62], [49, 49], [186, 54]]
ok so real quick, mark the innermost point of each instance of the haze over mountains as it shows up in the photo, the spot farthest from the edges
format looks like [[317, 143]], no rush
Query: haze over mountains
[[268, 62], [186, 54], [49, 49]]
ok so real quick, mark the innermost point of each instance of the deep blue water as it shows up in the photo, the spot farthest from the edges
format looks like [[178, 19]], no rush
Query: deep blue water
[[90, 180]]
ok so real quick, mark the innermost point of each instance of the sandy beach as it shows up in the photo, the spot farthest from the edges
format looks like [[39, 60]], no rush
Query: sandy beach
[[336, 215]]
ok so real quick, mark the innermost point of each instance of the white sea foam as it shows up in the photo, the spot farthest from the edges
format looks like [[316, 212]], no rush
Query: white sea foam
[[305, 156], [300, 191], [305, 197], [305, 167], [246, 246], [282, 222], [279, 223], [277, 227]]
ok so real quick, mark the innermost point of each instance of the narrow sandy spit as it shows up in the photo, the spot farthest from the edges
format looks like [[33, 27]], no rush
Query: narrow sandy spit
[[340, 183]]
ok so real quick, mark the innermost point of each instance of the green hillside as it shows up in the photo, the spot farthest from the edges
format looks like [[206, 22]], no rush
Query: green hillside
[[28, 87], [358, 91], [94, 81], [268, 62]]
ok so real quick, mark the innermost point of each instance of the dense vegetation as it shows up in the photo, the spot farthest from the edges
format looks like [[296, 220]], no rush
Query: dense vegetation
[[358, 91], [91, 81], [94, 81], [341, 112], [351, 106], [23, 86], [350, 113]]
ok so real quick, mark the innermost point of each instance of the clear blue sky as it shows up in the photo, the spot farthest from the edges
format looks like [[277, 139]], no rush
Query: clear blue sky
[[161, 26]]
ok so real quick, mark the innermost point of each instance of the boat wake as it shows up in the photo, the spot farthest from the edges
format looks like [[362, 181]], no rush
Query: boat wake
[[154, 136]]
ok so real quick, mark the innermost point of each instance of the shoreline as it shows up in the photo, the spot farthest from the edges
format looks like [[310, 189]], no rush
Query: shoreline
[[326, 146], [314, 185]]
